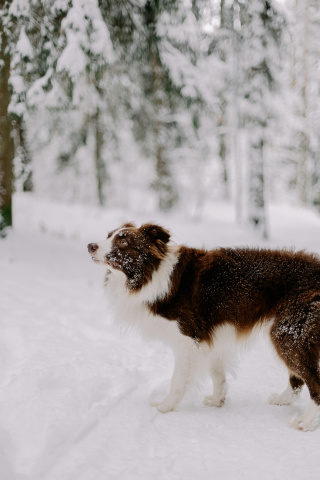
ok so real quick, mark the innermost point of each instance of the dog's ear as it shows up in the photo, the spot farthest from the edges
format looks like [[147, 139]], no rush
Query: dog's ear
[[155, 233], [128, 225]]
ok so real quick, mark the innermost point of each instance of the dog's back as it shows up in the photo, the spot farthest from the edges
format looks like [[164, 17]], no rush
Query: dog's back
[[238, 286]]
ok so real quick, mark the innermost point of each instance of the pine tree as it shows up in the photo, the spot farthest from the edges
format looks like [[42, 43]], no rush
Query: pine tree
[[180, 35], [261, 27], [159, 95], [305, 85], [34, 36], [225, 49], [85, 61], [21, 72]]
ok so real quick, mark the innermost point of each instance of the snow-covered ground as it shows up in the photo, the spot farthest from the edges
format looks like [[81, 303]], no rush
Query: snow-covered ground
[[75, 391]]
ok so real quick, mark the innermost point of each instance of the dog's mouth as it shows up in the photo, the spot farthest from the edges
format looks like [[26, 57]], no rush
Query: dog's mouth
[[96, 260], [107, 262], [113, 264]]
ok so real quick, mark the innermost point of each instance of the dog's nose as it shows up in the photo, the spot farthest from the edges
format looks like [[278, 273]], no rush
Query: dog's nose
[[92, 247]]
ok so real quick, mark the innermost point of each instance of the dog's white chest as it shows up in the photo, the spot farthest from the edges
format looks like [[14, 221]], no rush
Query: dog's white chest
[[132, 312]]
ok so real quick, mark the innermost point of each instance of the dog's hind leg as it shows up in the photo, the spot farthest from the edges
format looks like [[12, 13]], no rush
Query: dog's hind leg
[[309, 420], [297, 340], [290, 394], [311, 372], [180, 379]]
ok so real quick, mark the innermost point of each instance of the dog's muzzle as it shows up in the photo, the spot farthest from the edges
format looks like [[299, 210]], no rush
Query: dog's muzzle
[[92, 247]]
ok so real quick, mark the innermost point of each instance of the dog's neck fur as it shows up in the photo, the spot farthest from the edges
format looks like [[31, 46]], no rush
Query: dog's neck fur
[[156, 289], [159, 285]]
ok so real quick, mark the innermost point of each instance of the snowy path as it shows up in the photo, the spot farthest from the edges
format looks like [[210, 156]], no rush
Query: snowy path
[[74, 391]]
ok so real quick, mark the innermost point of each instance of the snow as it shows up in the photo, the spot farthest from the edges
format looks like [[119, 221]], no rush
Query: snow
[[20, 8], [75, 390], [36, 93], [24, 47], [72, 59]]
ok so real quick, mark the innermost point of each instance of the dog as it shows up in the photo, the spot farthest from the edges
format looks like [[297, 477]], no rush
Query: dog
[[204, 303]]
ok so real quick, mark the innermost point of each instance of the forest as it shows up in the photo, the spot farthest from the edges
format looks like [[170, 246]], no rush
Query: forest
[[163, 105]]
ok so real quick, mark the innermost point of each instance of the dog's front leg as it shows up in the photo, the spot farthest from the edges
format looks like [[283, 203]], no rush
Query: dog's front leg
[[218, 377], [179, 381]]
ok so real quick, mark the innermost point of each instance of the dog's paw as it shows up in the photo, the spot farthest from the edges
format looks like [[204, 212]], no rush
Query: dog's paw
[[305, 425], [165, 407], [213, 401], [279, 399]]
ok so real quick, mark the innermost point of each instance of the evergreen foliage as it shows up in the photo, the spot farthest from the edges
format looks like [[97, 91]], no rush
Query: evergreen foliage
[[163, 103]]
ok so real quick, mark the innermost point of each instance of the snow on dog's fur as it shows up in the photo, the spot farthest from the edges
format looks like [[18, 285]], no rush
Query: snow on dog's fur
[[204, 303]]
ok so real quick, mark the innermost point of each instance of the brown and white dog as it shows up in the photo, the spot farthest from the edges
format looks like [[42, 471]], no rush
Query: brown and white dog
[[203, 303]]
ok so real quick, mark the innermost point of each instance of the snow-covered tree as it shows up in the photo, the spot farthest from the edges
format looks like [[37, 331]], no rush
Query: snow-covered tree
[[34, 43], [85, 63], [155, 127], [179, 35], [305, 84], [261, 27]]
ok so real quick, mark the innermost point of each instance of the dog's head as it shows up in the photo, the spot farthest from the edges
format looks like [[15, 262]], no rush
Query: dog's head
[[136, 252]]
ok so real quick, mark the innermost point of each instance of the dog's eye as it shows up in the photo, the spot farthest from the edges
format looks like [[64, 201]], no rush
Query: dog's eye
[[123, 242]]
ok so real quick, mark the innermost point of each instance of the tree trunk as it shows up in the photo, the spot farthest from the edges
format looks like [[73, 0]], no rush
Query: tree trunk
[[6, 141], [99, 164], [225, 28], [23, 166], [164, 183], [235, 109], [223, 153], [256, 214], [304, 150]]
